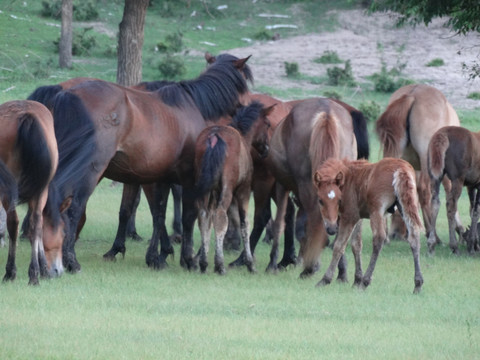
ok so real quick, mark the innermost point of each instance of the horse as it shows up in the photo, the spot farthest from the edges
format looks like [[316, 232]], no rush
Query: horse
[[28, 161], [264, 182], [149, 137], [315, 130], [348, 191], [223, 172], [414, 113], [454, 152]]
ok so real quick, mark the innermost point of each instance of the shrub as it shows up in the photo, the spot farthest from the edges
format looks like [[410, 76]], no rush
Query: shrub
[[82, 10], [173, 43], [474, 95], [332, 95], [263, 35], [338, 76], [387, 81], [172, 67], [291, 69], [328, 57], [81, 42], [436, 62], [370, 109]]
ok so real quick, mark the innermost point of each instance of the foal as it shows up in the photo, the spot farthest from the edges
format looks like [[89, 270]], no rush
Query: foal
[[352, 190], [223, 170]]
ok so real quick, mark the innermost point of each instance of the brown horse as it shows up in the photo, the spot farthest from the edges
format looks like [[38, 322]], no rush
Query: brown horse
[[413, 115], [224, 169], [314, 130], [149, 137], [349, 191], [28, 161], [454, 152]]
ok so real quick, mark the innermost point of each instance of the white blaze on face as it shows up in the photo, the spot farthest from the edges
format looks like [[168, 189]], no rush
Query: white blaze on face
[[331, 194]]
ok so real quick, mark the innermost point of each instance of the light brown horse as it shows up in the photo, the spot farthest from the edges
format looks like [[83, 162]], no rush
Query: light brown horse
[[224, 169], [28, 161], [349, 191], [149, 137], [414, 113], [454, 152], [314, 130]]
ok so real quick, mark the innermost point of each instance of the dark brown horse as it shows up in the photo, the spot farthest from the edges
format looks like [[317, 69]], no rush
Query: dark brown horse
[[224, 169], [28, 161], [454, 152], [149, 137], [314, 130], [414, 113], [349, 191]]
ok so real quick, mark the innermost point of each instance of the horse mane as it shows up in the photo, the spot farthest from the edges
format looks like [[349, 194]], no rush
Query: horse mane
[[247, 72], [392, 126], [324, 139], [246, 116], [76, 147], [153, 85], [215, 92], [45, 94]]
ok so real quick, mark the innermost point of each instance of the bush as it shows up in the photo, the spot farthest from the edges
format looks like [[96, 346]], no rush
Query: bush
[[172, 67], [328, 57], [474, 95], [332, 95], [82, 10], [291, 69], [263, 35], [81, 42], [341, 77], [387, 81], [371, 110], [173, 43], [436, 62]]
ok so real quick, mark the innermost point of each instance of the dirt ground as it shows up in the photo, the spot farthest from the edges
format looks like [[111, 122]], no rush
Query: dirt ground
[[359, 39]]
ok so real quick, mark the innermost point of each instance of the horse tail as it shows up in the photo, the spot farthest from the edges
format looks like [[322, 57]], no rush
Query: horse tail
[[35, 157], [324, 142], [360, 129], [405, 188], [392, 126], [436, 154], [212, 162], [45, 95]]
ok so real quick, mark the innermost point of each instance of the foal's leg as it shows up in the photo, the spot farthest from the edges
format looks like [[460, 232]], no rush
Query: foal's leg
[[289, 253], [220, 224], [434, 208], [379, 236], [357, 252], [242, 197], [12, 227], [475, 215], [189, 215], [414, 241], [205, 226], [130, 192], [447, 185], [452, 202], [344, 231], [278, 226]]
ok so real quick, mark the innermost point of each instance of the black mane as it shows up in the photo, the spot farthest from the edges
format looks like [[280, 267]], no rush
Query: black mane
[[246, 116]]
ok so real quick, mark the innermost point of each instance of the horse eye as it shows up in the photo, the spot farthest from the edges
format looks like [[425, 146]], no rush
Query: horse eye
[[320, 201]]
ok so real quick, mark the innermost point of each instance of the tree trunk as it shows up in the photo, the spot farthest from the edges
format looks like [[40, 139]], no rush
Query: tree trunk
[[130, 42], [66, 35]]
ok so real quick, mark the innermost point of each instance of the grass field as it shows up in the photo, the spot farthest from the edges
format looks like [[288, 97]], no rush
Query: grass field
[[124, 310]]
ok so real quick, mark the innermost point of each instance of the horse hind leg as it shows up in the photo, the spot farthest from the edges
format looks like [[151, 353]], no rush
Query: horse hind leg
[[459, 228], [379, 236], [220, 224], [242, 202], [452, 203], [472, 239], [205, 226], [12, 228]]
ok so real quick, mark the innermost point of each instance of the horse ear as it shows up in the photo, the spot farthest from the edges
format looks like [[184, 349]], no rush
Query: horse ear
[[267, 111], [317, 179], [210, 58], [340, 179], [240, 63], [65, 204]]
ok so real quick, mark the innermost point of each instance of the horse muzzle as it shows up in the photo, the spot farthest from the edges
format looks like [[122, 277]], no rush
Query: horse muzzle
[[264, 151], [331, 229], [56, 268]]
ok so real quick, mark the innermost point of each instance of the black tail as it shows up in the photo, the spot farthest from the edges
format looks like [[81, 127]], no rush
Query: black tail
[[211, 166], [76, 142], [361, 134], [35, 157], [45, 94]]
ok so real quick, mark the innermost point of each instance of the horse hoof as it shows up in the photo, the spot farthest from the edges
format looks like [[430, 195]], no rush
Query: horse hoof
[[271, 268], [237, 263], [283, 264], [135, 237], [220, 269], [342, 279], [323, 282], [109, 256]]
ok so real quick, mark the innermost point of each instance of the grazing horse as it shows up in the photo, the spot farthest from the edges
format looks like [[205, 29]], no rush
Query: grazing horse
[[414, 113], [28, 161], [349, 191], [224, 169], [454, 152], [149, 137], [314, 130]]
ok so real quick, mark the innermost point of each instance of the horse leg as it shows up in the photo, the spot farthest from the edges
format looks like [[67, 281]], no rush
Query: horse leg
[[452, 201], [12, 228], [282, 200], [74, 213], [158, 204], [414, 241], [35, 231], [242, 199], [130, 191], [434, 207], [475, 215], [131, 223], [289, 253], [188, 221], [344, 231], [459, 228], [379, 235], [357, 244], [205, 225], [177, 214], [220, 223], [232, 239]]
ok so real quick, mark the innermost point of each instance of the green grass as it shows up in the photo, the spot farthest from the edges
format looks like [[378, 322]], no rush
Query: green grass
[[124, 310]]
